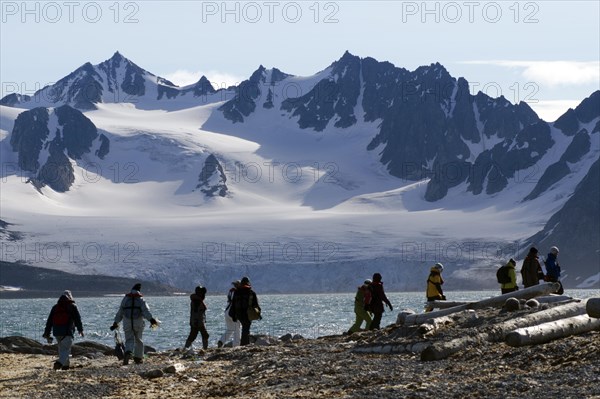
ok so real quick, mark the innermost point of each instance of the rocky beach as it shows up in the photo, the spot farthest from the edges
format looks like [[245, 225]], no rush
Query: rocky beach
[[361, 365]]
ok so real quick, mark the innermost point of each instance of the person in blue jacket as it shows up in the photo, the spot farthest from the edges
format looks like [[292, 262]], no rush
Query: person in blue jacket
[[553, 269]]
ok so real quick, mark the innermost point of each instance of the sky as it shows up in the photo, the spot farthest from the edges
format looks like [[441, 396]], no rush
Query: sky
[[543, 52]]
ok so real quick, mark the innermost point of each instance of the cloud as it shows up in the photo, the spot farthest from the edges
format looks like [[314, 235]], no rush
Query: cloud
[[552, 73], [183, 77], [550, 110]]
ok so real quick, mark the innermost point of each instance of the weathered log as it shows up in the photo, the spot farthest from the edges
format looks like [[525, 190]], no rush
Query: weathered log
[[441, 350], [420, 318], [553, 298], [497, 301], [445, 304], [593, 307], [525, 293], [546, 332]]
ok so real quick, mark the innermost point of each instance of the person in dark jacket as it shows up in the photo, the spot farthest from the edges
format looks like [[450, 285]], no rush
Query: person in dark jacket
[[63, 319], [133, 310], [243, 297], [434, 285], [378, 298], [553, 269], [531, 271], [197, 317]]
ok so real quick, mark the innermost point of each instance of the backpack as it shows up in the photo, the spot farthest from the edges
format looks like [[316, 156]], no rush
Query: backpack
[[502, 275], [60, 316]]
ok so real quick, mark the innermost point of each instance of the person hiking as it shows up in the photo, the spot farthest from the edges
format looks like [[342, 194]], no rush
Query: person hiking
[[362, 304], [531, 271], [511, 282], [553, 269], [63, 319], [197, 318], [232, 328], [133, 310], [434, 285], [243, 299], [378, 298]]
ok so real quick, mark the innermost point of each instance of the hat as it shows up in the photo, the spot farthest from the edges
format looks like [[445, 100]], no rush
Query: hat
[[368, 281], [376, 277], [235, 283], [439, 266], [200, 290], [512, 261], [533, 250], [554, 250], [68, 295], [137, 287], [245, 280]]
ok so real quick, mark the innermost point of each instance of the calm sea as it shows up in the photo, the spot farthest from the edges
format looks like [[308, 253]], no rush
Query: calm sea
[[310, 315]]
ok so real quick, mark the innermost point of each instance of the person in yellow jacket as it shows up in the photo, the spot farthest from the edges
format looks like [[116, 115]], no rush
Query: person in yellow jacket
[[434, 285], [512, 284]]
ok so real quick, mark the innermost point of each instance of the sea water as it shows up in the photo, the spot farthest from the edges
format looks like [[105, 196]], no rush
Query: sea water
[[309, 315]]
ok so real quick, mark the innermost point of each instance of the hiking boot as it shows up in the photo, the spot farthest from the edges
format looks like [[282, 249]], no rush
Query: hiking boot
[[138, 360], [57, 365], [126, 358], [219, 344], [65, 368]]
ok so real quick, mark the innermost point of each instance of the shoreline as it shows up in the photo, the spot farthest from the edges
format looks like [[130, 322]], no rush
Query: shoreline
[[321, 368], [360, 365]]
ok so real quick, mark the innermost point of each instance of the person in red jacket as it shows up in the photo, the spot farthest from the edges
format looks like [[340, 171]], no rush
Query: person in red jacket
[[62, 321], [378, 298]]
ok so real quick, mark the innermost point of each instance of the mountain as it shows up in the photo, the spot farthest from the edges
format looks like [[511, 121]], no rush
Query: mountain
[[116, 80], [574, 228], [305, 183]]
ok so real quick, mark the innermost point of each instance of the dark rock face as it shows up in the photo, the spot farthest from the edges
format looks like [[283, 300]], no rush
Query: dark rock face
[[585, 112], [13, 99], [249, 92], [74, 136], [333, 97], [212, 178], [29, 134], [203, 87]]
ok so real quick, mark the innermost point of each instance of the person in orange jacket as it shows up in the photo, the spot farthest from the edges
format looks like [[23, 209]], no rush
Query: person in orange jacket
[[434, 285]]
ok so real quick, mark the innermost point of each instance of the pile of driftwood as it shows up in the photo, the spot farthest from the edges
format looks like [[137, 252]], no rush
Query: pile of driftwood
[[558, 316]]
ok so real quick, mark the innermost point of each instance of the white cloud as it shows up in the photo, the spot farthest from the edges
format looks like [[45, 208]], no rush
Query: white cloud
[[183, 77], [550, 110], [552, 73]]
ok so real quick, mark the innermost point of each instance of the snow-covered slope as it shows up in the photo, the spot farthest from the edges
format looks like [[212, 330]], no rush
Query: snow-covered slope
[[301, 182]]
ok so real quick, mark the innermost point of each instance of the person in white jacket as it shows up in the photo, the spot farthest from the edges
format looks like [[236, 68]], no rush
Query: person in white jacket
[[133, 311], [232, 328]]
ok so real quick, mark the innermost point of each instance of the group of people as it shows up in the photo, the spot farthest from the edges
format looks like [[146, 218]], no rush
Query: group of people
[[242, 308], [531, 271], [368, 304]]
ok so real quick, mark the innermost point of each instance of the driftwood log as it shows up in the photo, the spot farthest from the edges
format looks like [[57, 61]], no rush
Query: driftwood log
[[497, 301], [593, 307], [498, 332], [446, 304], [552, 330]]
